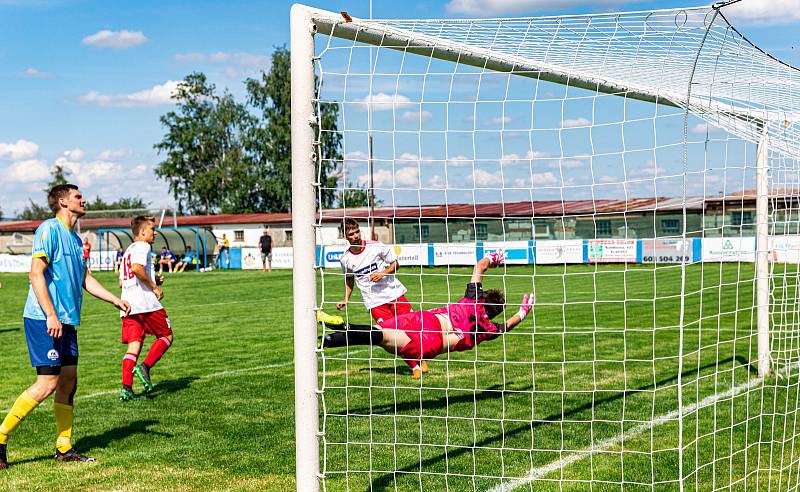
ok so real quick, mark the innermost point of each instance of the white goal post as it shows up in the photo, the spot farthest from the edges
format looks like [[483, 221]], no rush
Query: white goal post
[[719, 130]]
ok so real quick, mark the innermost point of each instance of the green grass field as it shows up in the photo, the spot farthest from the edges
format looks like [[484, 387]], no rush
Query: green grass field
[[597, 358]]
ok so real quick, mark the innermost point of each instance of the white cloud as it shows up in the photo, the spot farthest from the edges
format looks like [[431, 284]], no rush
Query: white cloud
[[485, 178], [574, 123], [86, 174], [117, 40], [23, 149], [404, 177], [459, 160], [609, 179], [33, 73], [514, 158], [544, 179], [75, 154], [26, 171], [240, 59], [500, 120], [155, 96], [384, 102], [356, 155], [413, 116], [114, 154], [490, 8], [764, 11], [702, 128]]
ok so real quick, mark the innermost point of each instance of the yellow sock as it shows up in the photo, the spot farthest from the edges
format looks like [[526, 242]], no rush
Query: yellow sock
[[63, 426], [22, 407]]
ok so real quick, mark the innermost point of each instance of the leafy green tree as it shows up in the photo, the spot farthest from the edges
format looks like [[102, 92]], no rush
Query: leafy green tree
[[35, 211], [270, 142], [205, 162], [59, 176]]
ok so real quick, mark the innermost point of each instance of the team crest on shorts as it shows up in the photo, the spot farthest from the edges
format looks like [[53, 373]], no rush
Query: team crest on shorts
[[52, 354]]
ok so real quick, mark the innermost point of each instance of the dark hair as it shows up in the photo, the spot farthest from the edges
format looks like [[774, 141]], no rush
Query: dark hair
[[349, 225], [493, 302], [56, 193], [138, 221]]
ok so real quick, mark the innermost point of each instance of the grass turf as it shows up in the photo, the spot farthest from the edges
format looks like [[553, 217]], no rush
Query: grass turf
[[598, 356]]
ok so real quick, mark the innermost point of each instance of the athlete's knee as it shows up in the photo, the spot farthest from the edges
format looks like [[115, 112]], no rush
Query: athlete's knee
[[44, 386]]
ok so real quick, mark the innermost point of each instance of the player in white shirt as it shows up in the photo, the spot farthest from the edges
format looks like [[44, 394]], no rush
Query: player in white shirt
[[371, 266], [140, 287]]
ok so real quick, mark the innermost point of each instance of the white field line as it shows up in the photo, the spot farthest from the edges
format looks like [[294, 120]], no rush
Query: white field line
[[540, 472], [213, 375]]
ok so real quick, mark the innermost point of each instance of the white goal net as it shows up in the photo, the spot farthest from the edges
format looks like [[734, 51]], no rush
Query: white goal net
[[640, 170]]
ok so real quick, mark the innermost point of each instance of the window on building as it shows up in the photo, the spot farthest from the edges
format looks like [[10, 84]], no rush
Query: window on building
[[481, 232], [423, 232], [603, 228], [670, 226], [238, 236], [742, 218], [288, 234]]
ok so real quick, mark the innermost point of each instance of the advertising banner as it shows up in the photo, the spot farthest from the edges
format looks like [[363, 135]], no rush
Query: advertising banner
[[729, 249], [612, 250], [453, 254], [784, 249], [15, 263], [667, 250], [559, 252], [411, 254], [517, 252]]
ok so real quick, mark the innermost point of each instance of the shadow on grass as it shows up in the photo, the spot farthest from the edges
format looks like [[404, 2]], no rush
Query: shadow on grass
[[171, 386], [7, 330], [101, 441], [385, 482]]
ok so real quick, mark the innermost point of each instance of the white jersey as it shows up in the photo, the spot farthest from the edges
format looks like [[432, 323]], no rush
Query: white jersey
[[140, 296], [375, 256]]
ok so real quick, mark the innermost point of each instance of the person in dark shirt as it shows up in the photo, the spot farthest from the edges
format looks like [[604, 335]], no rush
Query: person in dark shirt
[[265, 243]]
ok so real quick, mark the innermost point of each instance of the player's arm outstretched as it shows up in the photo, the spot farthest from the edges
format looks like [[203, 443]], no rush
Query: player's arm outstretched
[[96, 289], [494, 260]]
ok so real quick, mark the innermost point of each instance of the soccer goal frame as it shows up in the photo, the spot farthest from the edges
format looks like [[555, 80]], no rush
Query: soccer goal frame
[[306, 22]]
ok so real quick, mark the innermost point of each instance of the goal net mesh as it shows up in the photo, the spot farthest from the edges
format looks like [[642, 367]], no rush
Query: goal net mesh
[[614, 157]]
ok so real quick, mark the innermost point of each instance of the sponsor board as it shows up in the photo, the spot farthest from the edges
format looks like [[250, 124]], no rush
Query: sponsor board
[[729, 249], [559, 252], [453, 254], [411, 254], [667, 250], [251, 259], [784, 249], [517, 252], [15, 263], [612, 250], [331, 256], [102, 260]]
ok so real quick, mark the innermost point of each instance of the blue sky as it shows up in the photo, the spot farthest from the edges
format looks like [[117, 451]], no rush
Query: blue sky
[[86, 81]]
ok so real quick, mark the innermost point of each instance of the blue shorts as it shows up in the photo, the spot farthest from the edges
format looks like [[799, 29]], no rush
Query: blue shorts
[[45, 350]]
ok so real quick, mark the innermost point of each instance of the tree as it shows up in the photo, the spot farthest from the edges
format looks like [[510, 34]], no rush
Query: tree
[[34, 211], [270, 145], [205, 162], [98, 204], [58, 177]]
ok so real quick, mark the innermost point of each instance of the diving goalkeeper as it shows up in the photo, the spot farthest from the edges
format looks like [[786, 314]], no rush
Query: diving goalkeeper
[[452, 328]]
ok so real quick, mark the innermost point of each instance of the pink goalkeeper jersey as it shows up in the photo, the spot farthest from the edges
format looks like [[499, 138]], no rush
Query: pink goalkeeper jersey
[[468, 317]]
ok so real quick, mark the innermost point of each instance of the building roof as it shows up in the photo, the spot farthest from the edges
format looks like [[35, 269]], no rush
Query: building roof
[[528, 209]]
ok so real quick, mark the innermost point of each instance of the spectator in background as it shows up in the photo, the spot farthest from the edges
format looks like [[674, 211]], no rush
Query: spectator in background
[[224, 249], [265, 242], [87, 253], [166, 258], [188, 259], [118, 259]]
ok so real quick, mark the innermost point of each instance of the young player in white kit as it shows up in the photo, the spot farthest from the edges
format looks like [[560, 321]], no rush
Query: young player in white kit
[[140, 287]]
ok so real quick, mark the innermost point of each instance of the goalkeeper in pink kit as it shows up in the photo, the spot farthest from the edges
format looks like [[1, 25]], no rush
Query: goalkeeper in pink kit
[[452, 328]]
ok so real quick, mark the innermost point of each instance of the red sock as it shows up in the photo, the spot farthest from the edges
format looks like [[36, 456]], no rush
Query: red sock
[[411, 363], [128, 362], [156, 351]]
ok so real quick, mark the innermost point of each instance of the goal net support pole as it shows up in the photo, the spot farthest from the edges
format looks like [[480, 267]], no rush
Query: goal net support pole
[[304, 277], [762, 252]]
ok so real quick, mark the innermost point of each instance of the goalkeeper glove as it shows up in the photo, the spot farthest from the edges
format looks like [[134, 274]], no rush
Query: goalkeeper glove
[[526, 305], [496, 258]]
